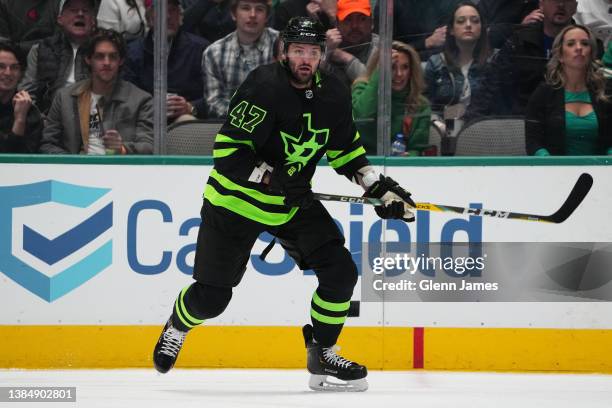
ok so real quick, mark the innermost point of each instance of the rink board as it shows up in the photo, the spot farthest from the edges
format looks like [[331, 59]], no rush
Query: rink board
[[119, 285], [388, 348]]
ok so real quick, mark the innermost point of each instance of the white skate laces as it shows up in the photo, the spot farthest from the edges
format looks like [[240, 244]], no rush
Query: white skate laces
[[330, 380], [330, 356], [173, 341]]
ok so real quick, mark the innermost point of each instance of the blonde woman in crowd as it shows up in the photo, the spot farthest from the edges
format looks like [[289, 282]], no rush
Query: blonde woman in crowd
[[410, 112], [570, 113]]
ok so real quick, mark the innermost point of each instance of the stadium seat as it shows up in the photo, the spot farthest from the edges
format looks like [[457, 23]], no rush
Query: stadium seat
[[192, 137], [492, 136]]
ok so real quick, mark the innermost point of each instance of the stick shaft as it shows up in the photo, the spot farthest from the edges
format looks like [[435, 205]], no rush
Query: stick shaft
[[576, 196]]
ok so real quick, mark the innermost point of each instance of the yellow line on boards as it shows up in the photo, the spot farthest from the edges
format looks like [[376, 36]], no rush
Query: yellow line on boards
[[389, 348]]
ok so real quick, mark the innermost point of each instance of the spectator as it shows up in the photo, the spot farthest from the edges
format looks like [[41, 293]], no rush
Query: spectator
[[607, 64], [58, 61], [123, 16], [211, 19], [520, 65], [456, 76], [227, 62], [185, 79], [322, 10], [410, 112], [351, 44], [503, 15], [26, 22], [597, 16], [421, 24], [570, 114], [113, 116], [20, 122]]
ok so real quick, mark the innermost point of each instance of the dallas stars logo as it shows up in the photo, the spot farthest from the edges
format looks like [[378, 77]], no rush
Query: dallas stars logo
[[300, 149]]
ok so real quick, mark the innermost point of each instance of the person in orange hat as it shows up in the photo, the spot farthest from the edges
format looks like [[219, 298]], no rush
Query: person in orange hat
[[351, 44]]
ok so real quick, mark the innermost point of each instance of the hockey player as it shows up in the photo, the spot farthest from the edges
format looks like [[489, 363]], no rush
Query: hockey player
[[284, 117]]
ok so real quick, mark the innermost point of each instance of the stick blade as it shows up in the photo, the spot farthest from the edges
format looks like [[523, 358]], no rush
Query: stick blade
[[576, 196]]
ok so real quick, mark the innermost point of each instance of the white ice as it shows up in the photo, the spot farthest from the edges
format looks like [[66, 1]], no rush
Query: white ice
[[288, 388]]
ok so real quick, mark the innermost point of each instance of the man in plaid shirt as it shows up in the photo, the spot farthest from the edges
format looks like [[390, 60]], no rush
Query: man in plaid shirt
[[227, 62]]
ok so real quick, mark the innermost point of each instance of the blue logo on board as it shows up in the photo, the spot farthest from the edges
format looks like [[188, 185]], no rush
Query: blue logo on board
[[53, 250]]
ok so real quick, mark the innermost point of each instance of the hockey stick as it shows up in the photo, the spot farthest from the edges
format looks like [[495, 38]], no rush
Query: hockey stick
[[578, 193]]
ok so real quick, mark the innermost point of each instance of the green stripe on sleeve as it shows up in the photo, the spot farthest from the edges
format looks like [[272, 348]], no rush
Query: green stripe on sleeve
[[219, 153], [226, 139], [341, 161], [332, 154]]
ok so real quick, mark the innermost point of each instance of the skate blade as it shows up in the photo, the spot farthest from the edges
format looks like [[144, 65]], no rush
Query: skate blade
[[323, 383]]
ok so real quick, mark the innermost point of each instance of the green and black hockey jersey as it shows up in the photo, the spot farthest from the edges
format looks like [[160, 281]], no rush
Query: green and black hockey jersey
[[269, 120]]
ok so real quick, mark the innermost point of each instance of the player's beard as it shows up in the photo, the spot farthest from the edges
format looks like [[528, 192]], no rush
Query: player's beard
[[299, 78]]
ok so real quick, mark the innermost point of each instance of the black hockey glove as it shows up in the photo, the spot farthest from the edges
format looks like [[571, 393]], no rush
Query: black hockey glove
[[290, 183], [398, 203]]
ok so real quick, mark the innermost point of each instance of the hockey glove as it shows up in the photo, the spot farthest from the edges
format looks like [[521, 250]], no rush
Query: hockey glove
[[398, 203], [289, 182]]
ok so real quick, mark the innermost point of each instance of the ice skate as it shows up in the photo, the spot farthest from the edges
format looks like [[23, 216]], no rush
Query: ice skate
[[168, 347], [323, 363]]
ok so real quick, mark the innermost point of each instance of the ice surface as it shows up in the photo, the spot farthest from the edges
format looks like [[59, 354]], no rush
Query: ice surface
[[288, 388]]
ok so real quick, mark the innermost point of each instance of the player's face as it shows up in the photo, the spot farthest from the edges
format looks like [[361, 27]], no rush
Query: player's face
[[10, 71], [466, 26], [105, 62], [303, 60], [400, 68], [576, 49], [250, 17]]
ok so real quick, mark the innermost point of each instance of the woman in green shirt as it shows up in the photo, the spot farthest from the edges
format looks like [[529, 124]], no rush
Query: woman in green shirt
[[410, 111], [570, 114]]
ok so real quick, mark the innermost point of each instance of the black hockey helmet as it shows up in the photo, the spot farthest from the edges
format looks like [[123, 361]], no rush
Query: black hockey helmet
[[304, 30]]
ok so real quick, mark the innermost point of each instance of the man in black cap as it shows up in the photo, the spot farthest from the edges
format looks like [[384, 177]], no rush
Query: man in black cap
[[58, 61]]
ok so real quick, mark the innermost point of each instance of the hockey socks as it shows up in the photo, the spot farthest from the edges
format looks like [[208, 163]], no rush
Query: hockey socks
[[327, 317], [183, 317]]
